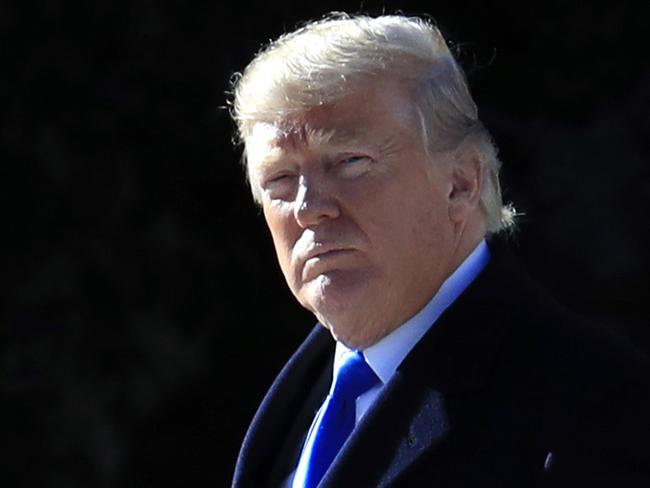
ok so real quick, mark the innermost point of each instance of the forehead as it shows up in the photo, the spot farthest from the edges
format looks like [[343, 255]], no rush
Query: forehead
[[287, 136], [357, 119]]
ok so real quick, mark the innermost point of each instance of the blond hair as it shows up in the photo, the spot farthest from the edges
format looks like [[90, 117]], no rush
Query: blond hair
[[326, 59]]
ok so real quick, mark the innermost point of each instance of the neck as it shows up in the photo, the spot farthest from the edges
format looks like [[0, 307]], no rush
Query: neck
[[468, 234]]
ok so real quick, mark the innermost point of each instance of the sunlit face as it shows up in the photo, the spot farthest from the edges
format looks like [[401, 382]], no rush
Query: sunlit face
[[358, 213]]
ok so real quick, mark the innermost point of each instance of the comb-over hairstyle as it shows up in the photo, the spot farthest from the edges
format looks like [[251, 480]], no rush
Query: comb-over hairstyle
[[328, 59]]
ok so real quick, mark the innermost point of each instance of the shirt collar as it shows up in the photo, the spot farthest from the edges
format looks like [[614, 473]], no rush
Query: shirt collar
[[386, 355]]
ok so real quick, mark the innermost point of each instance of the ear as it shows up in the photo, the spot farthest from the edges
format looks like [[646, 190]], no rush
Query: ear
[[466, 184]]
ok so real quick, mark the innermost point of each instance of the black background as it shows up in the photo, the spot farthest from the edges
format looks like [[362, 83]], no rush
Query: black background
[[143, 312]]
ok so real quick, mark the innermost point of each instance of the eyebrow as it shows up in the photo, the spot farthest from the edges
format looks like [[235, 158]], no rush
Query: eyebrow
[[272, 157], [313, 138], [335, 137]]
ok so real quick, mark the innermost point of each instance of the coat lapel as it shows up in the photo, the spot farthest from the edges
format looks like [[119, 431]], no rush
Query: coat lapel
[[391, 437], [272, 444]]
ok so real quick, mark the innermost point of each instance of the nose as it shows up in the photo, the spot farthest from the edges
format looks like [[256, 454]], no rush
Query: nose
[[314, 203]]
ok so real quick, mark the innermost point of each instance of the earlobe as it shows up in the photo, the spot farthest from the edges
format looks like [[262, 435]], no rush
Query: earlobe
[[466, 185]]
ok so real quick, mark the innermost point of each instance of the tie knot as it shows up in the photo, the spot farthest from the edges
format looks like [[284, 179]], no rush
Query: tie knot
[[354, 377]]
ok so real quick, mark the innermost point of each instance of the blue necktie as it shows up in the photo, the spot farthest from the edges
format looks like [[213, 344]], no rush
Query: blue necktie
[[336, 419]]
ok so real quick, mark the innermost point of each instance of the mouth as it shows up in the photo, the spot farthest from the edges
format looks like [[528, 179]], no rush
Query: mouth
[[334, 253], [326, 251], [324, 259]]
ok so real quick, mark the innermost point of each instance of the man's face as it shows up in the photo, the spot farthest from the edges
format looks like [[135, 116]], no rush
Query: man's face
[[358, 212]]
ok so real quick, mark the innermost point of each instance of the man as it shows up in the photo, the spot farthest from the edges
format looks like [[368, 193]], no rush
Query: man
[[380, 186]]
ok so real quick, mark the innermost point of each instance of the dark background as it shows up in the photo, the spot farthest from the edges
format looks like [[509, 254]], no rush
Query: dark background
[[143, 313]]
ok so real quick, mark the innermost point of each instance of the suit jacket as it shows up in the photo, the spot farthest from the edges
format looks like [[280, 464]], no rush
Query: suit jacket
[[507, 389]]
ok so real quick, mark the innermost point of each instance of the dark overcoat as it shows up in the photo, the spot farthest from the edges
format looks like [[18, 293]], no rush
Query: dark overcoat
[[507, 389]]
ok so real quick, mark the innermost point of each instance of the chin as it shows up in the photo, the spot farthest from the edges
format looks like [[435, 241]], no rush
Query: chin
[[334, 293], [341, 304]]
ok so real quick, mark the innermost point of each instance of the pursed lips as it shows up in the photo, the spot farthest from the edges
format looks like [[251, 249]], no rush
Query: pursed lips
[[322, 253], [325, 251]]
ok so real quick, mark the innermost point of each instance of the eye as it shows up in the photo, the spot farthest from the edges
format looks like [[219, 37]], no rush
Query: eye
[[354, 165], [279, 185], [353, 159], [279, 178]]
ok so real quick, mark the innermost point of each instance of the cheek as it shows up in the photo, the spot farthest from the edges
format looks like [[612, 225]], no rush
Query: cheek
[[279, 223], [411, 220]]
